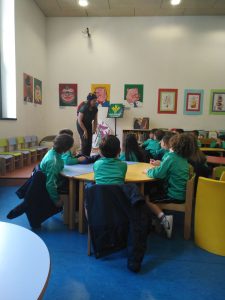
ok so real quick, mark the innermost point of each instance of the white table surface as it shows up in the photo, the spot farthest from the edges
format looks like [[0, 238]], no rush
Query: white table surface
[[24, 263]]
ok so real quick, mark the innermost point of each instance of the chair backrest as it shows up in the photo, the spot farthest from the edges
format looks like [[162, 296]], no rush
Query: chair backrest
[[4, 144], [12, 143], [222, 177], [20, 141], [34, 140], [217, 171]]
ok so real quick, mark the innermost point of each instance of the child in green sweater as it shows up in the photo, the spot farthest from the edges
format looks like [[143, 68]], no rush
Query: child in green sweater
[[162, 153], [109, 169], [132, 151], [174, 170]]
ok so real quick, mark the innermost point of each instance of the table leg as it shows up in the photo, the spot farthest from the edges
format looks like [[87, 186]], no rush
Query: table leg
[[142, 188], [81, 207], [71, 208]]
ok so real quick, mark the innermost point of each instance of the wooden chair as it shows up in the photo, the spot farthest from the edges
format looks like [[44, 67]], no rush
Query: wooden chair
[[206, 142], [21, 141], [222, 177], [12, 143], [18, 157], [7, 163], [217, 172], [184, 207], [209, 215], [41, 150]]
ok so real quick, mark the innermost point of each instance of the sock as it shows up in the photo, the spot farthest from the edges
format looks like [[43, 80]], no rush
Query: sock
[[160, 215]]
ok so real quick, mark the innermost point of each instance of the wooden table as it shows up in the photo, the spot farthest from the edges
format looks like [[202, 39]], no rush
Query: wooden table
[[217, 160], [219, 150], [24, 264], [135, 173]]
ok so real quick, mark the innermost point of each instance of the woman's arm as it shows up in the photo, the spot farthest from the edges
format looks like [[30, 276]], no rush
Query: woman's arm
[[95, 123], [80, 122]]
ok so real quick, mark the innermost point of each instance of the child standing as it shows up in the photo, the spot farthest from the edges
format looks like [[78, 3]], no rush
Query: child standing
[[174, 170], [109, 169], [132, 150]]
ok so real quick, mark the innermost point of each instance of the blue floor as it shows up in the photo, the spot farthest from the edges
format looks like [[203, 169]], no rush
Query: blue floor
[[172, 269]]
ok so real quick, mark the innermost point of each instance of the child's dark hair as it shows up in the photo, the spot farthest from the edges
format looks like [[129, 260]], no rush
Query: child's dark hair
[[159, 134], [66, 131], [179, 130], [62, 143], [110, 146], [221, 137], [195, 132], [131, 146], [184, 144], [153, 130], [166, 138]]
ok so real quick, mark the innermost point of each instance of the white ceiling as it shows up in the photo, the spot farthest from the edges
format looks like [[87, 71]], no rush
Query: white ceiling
[[129, 8]]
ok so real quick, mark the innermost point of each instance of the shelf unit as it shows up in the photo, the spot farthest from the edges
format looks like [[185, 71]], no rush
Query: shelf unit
[[141, 134]]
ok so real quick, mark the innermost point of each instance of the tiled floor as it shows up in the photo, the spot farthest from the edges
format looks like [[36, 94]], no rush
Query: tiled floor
[[172, 269]]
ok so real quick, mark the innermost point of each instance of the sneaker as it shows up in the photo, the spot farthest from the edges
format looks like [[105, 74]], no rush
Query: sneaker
[[167, 223]]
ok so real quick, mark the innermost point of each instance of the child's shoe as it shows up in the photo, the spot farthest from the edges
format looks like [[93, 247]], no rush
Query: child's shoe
[[167, 222]]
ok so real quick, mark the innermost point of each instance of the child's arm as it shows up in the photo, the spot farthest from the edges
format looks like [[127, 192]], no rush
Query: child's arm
[[160, 171], [52, 175]]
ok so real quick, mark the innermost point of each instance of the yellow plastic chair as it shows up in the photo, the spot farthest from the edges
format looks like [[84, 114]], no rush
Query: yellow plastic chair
[[21, 141], [18, 157], [217, 171], [222, 177], [209, 215]]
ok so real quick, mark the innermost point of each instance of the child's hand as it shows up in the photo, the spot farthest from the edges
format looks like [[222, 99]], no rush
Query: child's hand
[[151, 161], [145, 171], [156, 163], [81, 158]]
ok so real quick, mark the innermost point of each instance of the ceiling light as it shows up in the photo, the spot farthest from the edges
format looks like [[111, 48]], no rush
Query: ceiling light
[[175, 2], [83, 3]]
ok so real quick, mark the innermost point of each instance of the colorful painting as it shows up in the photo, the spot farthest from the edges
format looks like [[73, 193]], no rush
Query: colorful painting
[[37, 91], [167, 101], [141, 123], [102, 92], [115, 110], [193, 102], [133, 95], [67, 94], [217, 102], [27, 88]]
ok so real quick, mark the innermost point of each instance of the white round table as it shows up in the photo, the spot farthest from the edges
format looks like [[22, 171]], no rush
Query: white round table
[[24, 263]]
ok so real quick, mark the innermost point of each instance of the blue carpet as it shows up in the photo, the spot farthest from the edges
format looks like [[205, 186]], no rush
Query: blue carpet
[[172, 269]]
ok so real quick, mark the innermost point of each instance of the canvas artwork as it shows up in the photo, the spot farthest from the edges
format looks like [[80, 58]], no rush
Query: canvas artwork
[[167, 101], [141, 123], [217, 102], [102, 92], [37, 91], [67, 94], [27, 88], [193, 102], [133, 95]]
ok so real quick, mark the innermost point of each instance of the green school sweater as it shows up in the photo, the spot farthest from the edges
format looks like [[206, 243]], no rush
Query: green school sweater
[[174, 169], [199, 143], [109, 171], [52, 164], [132, 157], [69, 159], [160, 153]]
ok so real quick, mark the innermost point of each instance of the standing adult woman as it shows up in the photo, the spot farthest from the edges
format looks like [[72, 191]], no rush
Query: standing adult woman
[[87, 121]]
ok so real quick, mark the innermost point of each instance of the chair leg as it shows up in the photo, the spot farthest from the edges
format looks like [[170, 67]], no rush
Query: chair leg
[[65, 199], [187, 223], [2, 166], [89, 243]]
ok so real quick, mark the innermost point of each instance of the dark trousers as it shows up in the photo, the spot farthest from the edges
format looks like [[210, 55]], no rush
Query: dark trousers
[[86, 144]]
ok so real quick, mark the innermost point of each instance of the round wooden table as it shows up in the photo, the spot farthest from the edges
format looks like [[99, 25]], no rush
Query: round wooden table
[[24, 264], [135, 174]]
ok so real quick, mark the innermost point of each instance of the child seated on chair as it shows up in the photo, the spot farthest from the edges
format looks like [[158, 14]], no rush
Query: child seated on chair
[[109, 169], [162, 153], [52, 164], [174, 170], [154, 145], [69, 157], [132, 151]]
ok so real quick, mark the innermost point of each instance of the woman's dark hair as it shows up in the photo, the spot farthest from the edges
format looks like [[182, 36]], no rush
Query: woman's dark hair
[[66, 131], [110, 146], [184, 144], [91, 96], [166, 139], [62, 143], [131, 147], [159, 134]]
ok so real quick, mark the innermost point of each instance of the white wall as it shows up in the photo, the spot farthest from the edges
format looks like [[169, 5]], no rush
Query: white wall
[[30, 25], [159, 52]]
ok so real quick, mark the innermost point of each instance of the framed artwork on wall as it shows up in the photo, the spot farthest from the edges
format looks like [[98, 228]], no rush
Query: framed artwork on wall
[[167, 101], [67, 94], [133, 95], [193, 102], [141, 123], [27, 88], [217, 102], [102, 92], [37, 91]]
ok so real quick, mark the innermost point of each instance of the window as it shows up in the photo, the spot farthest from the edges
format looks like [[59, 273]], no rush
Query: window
[[7, 60]]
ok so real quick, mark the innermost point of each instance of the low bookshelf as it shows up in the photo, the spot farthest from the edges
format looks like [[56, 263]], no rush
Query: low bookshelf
[[141, 134]]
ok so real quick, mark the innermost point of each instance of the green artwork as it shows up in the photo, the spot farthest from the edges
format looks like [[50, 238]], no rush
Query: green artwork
[[115, 111], [217, 102], [133, 95]]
